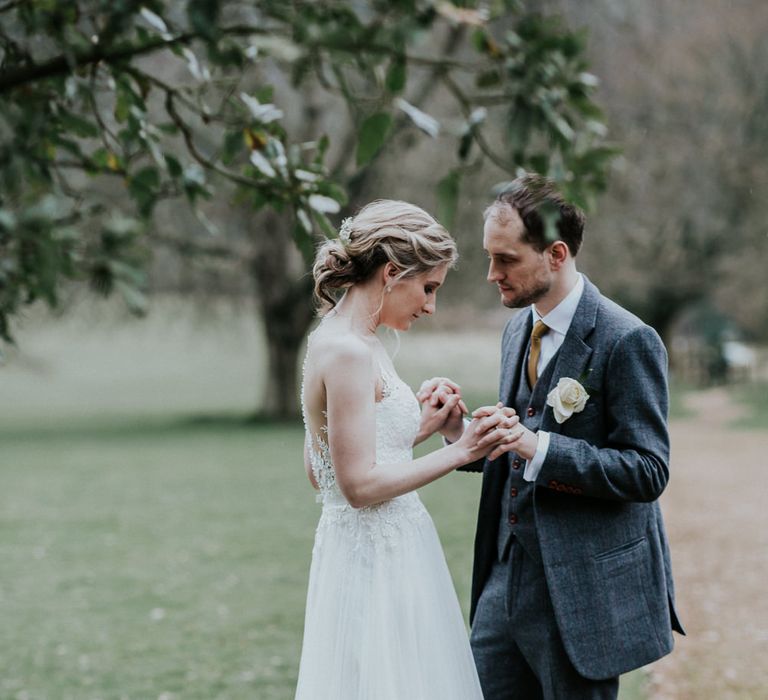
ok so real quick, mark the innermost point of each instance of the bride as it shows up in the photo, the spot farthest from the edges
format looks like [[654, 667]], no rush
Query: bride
[[382, 620]]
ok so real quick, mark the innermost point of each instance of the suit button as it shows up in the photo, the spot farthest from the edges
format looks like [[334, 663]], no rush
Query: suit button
[[516, 464], [513, 519], [513, 492], [531, 411]]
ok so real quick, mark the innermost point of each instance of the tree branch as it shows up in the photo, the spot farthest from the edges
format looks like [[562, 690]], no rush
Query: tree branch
[[466, 107], [207, 163], [105, 130], [85, 166], [62, 65], [440, 66]]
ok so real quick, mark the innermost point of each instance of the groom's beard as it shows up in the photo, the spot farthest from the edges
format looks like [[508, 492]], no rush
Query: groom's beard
[[526, 297]]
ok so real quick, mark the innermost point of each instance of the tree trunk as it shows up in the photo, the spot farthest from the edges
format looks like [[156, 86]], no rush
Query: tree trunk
[[286, 325], [283, 290], [661, 318]]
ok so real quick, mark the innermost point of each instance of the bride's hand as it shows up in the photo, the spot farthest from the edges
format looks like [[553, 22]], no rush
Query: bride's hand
[[435, 394], [441, 418], [436, 391]]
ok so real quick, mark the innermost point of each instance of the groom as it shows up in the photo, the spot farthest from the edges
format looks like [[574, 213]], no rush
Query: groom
[[572, 583]]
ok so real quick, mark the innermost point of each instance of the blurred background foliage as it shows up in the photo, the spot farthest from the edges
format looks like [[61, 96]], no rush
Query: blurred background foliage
[[204, 147], [266, 118]]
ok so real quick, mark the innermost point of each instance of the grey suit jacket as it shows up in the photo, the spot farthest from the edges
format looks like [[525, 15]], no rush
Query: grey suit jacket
[[598, 521]]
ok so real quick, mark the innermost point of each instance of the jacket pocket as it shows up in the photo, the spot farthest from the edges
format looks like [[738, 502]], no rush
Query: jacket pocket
[[621, 550]]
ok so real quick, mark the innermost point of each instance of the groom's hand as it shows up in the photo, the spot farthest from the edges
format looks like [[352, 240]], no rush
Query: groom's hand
[[518, 438], [489, 427], [501, 421]]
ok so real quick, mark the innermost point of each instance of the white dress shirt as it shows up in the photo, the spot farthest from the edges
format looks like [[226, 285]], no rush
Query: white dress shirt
[[558, 321]]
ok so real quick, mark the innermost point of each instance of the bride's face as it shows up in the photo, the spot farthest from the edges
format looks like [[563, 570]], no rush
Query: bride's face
[[412, 297]]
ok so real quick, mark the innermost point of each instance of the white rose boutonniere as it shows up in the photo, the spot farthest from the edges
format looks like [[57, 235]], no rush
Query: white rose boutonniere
[[567, 398]]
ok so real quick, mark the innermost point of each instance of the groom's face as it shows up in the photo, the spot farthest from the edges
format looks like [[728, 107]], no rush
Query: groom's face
[[519, 271]]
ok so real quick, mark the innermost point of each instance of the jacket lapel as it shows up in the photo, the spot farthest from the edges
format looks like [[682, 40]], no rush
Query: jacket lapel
[[574, 354]]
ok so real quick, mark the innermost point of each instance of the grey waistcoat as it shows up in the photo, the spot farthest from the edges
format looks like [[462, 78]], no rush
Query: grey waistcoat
[[517, 518]]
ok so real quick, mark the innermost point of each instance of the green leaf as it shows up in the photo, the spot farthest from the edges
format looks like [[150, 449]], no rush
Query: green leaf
[[333, 190], [300, 70], [373, 135], [134, 298], [128, 273], [397, 75], [478, 40], [489, 78], [122, 106], [100, 157], [168, 128], [233, 143], [321, 149], [304, 242], [325, 225], [465, 143], [448, 197], [265, 94], [173, 165], [77, 126], [143, 187], [203, 16]]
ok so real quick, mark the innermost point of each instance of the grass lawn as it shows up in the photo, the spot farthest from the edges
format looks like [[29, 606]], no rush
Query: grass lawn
[[167, 559], [754, 398]]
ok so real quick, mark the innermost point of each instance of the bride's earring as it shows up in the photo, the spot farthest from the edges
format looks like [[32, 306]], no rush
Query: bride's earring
[[389, 289]]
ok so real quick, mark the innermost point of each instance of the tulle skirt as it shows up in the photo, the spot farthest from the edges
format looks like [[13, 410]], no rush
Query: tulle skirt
[[382, 620]]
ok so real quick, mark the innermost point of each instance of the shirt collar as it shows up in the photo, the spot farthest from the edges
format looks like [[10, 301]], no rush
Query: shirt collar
[[559, 319]]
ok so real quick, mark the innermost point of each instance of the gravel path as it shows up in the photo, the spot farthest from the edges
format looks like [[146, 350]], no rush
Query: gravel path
[[716, 511]]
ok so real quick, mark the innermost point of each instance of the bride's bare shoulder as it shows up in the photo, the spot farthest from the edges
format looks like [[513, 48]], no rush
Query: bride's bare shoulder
[[334, 350]]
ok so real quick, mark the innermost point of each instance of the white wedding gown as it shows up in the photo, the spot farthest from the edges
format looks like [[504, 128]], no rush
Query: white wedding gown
[[382, 620]]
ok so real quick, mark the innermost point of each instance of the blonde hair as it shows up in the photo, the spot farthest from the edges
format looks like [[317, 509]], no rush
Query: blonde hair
[[383, 231]]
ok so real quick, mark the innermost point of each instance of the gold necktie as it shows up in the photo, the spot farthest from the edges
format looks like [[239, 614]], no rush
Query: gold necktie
[[539, 329]]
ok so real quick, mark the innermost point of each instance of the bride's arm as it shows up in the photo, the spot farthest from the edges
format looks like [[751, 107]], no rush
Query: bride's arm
[[350, 383]]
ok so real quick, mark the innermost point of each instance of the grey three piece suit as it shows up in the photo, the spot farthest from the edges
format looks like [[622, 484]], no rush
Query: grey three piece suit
[[572, 583]]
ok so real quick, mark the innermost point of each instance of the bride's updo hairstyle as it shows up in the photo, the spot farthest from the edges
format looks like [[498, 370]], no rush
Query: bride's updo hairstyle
[[383, 231]]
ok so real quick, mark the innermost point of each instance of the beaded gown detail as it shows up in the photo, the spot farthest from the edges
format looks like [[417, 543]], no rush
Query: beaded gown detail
[[382, 620]]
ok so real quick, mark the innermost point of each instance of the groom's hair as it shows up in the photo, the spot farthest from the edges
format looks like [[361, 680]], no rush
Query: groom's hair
[[537, 201]]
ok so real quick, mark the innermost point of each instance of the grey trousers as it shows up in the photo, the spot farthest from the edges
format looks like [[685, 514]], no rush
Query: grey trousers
[[515, 641]]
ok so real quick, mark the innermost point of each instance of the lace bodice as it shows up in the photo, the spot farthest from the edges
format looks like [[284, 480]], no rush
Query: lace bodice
[[397, 422]]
